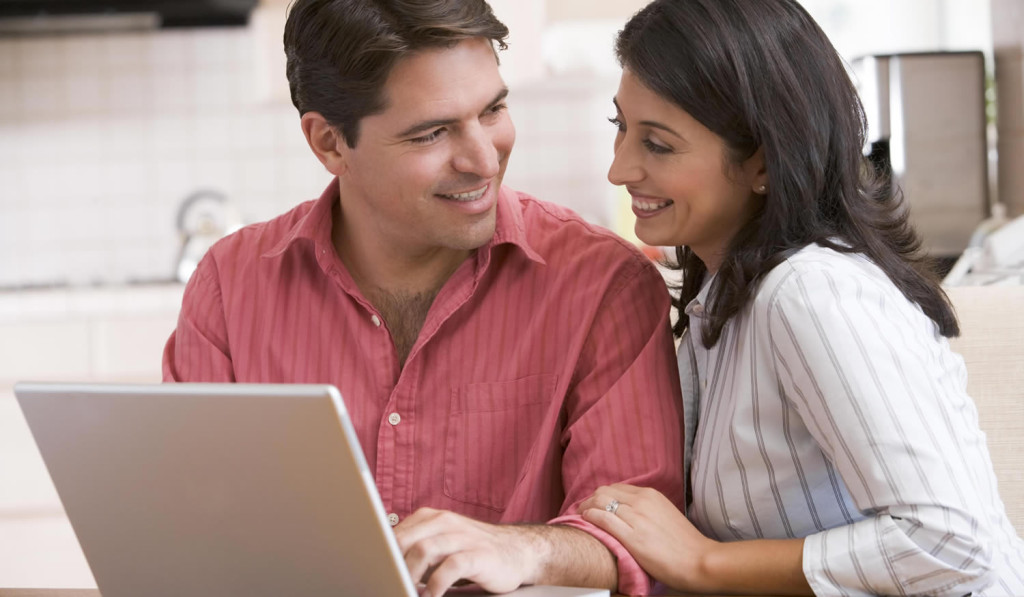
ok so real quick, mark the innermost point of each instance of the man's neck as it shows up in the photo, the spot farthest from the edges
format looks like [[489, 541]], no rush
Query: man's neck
[[377, 265], [401, 285]]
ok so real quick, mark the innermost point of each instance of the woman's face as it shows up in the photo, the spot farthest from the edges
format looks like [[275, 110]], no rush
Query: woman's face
[[685, 190]]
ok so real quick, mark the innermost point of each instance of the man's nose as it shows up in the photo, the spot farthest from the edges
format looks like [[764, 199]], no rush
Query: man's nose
[[476, 153]]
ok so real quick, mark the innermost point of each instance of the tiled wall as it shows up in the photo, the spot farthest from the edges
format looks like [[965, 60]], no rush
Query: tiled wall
[[103, 137]]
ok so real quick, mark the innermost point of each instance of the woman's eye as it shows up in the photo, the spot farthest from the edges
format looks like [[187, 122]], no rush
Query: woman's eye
[[655, 148], [617, 123]]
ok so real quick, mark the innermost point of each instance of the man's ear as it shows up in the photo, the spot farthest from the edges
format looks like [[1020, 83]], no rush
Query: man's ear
[[326, 142]]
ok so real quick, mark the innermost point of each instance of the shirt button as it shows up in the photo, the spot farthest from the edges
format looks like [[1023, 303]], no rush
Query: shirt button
[[392, 519], [394, 418], [375, 320]]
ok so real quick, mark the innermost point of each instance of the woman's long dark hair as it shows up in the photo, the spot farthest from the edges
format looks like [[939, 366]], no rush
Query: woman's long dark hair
[[761, 73]]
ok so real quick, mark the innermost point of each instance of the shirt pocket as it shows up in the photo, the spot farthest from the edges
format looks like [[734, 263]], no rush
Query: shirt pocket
[[491, 430]]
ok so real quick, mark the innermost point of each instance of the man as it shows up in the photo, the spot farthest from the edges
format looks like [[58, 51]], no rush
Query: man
[[500, 358]]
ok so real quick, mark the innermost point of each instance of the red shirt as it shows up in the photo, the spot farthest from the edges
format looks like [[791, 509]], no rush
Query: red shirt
[[545, 367]]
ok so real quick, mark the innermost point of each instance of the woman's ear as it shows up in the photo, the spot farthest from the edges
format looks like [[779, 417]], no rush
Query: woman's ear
[[327, 143], [755, 172]]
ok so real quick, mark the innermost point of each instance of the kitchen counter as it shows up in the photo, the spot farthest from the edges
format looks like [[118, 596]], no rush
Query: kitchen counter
[[91, 333], [108, 333]]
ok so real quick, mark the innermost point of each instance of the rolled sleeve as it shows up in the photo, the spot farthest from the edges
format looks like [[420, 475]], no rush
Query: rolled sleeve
[[633, 580], [625, 411]]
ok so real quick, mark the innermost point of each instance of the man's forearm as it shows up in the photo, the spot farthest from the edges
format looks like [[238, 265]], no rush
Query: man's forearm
[[567, 556]]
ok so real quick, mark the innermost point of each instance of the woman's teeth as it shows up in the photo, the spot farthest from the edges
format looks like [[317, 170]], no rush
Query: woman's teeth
[[644, 205], [470, 196]]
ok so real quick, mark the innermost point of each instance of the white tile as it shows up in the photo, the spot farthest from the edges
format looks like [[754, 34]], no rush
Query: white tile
[[132, 93], [289, 132], [126, 52], [36, 141], [87, 265], [216, 49], [11, 134], [260, 174], [172, 90], [8, 58], [217, 175], [127, 138], [47, 265], [173, 179], [43, 96], [11, 106], [41, 189], [174, 137], [252, 133], [43, 228], [170, 50], [40, 56], [132, 178], [213, 135], [13, 222], [84, 55], [139, 220], [87, 93], [214, 90], [10, 191], [305, 178], [81, 139], [12, 263]]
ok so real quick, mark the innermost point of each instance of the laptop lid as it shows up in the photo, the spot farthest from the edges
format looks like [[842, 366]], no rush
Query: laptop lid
[[219, 489], [215, 489]]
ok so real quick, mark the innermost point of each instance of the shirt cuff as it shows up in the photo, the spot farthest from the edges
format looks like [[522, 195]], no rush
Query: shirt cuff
[[632, 578]]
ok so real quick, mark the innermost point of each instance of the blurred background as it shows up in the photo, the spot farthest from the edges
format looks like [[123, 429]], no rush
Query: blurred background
[[129, 143]]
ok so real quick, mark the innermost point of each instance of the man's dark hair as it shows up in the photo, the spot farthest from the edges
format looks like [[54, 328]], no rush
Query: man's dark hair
[[340, 52], [764, 75]]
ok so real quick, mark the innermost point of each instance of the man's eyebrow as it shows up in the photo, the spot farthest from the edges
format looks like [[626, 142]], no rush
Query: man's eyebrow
[[651, 123], [420, 127]]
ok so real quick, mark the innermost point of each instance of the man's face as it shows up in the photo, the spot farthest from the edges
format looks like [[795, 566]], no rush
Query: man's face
[[425, 172]]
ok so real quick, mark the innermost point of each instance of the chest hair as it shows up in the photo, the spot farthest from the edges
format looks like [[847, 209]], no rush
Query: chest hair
[[404, 313]]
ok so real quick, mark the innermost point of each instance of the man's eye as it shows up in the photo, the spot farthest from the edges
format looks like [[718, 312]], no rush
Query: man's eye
[[432, 136]]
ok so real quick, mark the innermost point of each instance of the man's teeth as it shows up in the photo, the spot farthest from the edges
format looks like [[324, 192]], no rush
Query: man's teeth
[[643, 205], [470, 196]]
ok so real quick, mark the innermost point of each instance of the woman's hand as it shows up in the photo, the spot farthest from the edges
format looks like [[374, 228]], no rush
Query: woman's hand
[[673, 551], [654, 531]]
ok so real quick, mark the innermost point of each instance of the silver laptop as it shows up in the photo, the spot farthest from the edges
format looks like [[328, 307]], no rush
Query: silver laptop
[[220, 489]]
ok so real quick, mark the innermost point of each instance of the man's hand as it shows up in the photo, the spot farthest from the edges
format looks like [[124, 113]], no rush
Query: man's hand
[[442, 548]]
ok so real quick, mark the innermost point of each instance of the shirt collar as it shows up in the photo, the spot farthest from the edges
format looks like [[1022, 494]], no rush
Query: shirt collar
[[316, 225], [698, 306], [509, 226]]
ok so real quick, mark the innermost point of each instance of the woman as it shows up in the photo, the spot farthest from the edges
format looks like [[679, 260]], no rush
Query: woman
[[836, 451]]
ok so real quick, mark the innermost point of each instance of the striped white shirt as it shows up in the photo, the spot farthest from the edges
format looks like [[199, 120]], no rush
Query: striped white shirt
[[832, 409]]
